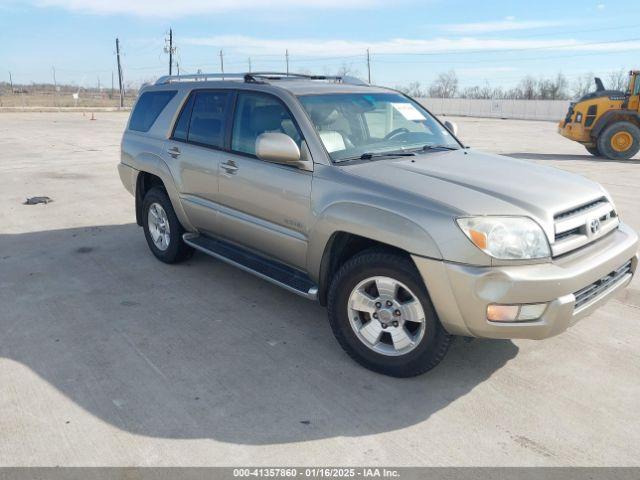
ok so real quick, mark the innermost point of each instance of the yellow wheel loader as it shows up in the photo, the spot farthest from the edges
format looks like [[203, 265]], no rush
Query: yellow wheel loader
[[606, 122]]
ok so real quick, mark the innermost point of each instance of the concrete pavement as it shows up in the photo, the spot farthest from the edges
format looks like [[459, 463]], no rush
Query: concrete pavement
[[109, 357]]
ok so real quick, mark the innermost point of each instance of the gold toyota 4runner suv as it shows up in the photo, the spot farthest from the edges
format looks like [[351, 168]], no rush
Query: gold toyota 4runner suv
[[357, 197]]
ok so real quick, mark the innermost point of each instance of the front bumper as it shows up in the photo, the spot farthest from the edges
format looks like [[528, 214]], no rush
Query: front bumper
[[461, 293], [575, 131]]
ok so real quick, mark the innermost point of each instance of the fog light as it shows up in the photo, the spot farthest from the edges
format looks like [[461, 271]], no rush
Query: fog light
[[532, 312], [515, 313], [502, 313]]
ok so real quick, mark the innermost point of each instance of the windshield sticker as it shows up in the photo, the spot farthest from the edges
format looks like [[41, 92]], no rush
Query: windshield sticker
[[408, 111]]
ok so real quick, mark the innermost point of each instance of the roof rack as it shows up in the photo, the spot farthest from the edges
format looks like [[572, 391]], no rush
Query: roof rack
[[257, 77]]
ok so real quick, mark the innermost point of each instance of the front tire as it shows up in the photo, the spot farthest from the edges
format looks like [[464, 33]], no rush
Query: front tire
[[619, 141], [162, 229], [382, 316], [593, 150]]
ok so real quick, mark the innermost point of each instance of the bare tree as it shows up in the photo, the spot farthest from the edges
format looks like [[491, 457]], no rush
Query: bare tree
[[414, 89], [558, 87], [486, 91], [470, 92], [445, 85], [346, 69], [528, 88], [583, 85], [618, 80]]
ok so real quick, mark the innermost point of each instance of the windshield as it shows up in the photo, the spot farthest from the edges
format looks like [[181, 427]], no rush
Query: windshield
[[354, 125]]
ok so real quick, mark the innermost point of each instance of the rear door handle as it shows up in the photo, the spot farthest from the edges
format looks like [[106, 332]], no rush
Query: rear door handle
[[230, 167], [174, 152]]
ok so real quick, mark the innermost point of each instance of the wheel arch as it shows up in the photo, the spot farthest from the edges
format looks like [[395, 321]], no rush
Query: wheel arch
[[347, 229], [153, 171], [614, 116]]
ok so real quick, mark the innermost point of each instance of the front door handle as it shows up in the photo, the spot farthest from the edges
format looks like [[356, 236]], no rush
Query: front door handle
[[174, 152], [230, 167]]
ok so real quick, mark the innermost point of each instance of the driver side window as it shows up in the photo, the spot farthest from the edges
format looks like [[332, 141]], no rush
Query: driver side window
[[258, 113]]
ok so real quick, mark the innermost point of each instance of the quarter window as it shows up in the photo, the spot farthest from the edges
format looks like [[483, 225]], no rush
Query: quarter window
[[257, 114], [148, 108], [182, 125]]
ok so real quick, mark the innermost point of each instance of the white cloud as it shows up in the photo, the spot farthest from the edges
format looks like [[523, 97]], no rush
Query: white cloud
[[322, 48], [509, 24], [601, 6], [180, 8]]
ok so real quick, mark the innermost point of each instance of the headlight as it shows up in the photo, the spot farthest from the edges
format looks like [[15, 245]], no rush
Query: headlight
[[506, 238]]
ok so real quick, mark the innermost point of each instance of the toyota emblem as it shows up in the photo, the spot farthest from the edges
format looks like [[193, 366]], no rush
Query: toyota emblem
[[594, 226]]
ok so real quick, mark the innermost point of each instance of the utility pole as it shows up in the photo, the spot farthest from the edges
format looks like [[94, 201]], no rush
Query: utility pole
[[369, 65], [170, 50], [178, 67], [286, 56], [222, 64], [119, 73], [98, 83], [11, 82], [55, 86], [249, 64]]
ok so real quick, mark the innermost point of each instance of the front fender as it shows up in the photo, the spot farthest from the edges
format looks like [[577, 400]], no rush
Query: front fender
[[370, 222]]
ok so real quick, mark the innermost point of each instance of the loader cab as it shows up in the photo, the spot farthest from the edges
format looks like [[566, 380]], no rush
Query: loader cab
[[633, 91]]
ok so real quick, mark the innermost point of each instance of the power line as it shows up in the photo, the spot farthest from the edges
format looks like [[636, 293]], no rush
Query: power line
[[503, 50], [494, 60]]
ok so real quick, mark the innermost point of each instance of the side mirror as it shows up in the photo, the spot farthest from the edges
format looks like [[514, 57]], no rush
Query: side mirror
[[277, 148], [452, 127]]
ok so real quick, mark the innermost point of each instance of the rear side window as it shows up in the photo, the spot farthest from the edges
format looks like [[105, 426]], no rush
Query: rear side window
[[148, 107], [208, 118]]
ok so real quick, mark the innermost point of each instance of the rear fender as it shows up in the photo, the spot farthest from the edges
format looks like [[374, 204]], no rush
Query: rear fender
[[155, 165]]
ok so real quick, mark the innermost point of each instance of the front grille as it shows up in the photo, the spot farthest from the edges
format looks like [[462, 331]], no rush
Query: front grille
[[588, 293], [591, 115], [579, 226], [567, 119]]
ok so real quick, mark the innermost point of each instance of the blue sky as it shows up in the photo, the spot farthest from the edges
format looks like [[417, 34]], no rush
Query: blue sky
[[497, 41]]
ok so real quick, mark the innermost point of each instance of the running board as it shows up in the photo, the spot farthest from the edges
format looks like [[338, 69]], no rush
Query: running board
[[270, 270]]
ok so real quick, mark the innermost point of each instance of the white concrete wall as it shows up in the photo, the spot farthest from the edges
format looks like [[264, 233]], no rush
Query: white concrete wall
[[522, 109]]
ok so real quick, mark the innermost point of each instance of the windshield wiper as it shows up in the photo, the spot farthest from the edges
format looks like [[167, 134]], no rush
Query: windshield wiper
[[438, 147], [370, 155]]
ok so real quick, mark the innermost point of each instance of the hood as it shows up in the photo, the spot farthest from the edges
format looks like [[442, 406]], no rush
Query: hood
[[611, 94], [484, 184]]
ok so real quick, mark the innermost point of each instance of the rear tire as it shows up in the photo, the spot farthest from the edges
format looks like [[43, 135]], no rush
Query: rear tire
[[379, 351], [162, 229], [619, 141], [593, 150]]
